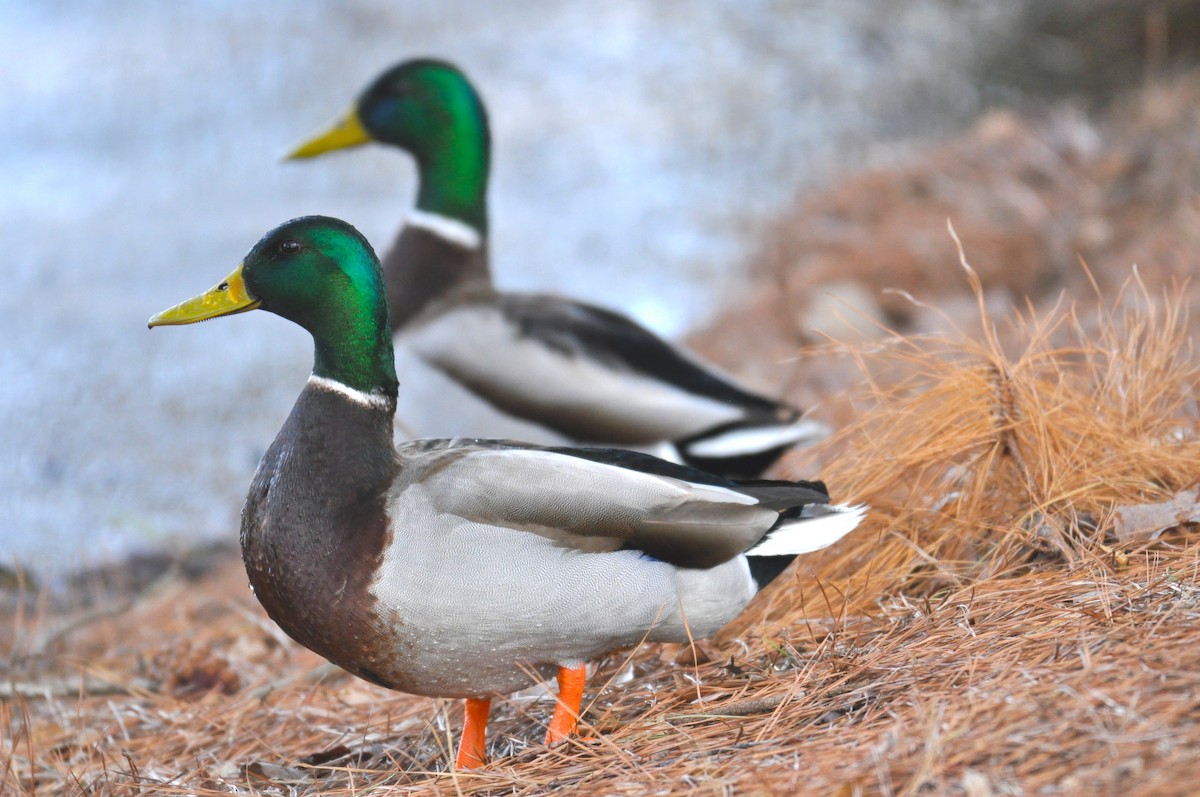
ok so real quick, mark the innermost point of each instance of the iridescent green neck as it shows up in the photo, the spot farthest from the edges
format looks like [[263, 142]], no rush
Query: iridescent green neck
[[359, 355], [351, 334], [454, 172]]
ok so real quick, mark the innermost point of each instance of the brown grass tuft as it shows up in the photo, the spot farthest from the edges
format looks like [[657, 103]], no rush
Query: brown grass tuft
[[984, 453]]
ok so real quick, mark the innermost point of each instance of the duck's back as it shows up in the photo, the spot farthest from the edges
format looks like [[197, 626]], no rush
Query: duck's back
[[587, 373]]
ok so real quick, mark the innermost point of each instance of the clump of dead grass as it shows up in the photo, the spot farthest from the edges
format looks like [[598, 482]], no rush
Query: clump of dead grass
[[984, 451]]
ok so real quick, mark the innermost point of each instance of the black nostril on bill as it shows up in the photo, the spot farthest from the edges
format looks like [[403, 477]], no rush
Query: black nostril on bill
[[224, 286]]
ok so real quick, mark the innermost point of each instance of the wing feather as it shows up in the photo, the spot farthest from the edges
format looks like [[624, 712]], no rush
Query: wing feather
[[580, 501]]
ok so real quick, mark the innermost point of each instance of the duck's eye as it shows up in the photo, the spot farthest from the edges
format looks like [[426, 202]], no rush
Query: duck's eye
[[398, 90], [289, 247]]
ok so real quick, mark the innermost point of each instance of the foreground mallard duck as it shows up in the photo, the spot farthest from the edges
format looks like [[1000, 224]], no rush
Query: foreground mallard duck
[[455, 568], [590, 374]]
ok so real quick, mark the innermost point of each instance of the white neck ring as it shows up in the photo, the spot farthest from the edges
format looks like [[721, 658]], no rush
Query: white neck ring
[[370, 400], [451, 230]]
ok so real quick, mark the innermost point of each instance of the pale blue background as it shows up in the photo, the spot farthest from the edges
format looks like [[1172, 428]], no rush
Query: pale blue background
[[638, 147]]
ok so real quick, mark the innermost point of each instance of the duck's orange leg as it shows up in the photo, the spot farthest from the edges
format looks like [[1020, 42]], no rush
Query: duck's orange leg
[[472, 749], [570, 698]]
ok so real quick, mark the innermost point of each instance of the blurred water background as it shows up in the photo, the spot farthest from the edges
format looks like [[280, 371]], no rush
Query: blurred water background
[[638, 147]]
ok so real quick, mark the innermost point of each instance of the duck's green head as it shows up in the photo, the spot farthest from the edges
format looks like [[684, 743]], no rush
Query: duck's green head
[[322, 274], [428, 108]]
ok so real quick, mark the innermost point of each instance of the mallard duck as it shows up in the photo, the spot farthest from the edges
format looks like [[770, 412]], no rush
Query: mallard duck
[[590, 374], [457, 568]]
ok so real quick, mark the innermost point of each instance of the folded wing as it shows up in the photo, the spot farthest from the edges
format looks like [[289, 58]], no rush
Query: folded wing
[[602, 499]]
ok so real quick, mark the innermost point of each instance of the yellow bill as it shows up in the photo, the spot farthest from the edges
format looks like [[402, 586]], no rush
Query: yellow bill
[[227, 298], [346, 132]]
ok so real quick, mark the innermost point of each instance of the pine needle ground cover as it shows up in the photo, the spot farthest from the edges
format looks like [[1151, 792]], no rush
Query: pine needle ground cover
[[1019, 614]]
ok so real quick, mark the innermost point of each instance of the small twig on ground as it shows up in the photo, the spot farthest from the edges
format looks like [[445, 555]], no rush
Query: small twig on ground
[[743, 708], [67, 687]]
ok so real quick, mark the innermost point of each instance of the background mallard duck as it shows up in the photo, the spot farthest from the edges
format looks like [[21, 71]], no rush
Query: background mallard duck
[[591, 374]]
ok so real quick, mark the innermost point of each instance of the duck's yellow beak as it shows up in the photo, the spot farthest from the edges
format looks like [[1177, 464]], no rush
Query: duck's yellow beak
[[346, 132], [227, 298]]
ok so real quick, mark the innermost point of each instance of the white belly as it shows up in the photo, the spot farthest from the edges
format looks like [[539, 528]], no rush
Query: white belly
[[473, 610]]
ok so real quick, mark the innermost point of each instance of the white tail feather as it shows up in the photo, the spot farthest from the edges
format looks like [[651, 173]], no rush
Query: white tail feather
[[828, 524], [739, 442]]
